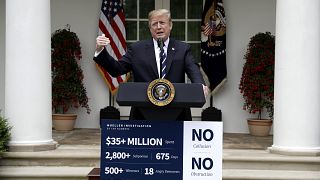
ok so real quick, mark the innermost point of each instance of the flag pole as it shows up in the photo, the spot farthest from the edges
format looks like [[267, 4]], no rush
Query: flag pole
[[109, 98], [112, 102]]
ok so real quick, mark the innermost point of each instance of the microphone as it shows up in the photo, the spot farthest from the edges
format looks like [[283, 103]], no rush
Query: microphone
[[160, 43]]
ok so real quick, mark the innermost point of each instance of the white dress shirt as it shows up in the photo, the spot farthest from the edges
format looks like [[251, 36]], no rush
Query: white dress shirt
[[157, 52]]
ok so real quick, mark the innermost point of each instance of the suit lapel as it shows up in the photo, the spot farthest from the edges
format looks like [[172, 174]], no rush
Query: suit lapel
[[150, 57], [170, 53]]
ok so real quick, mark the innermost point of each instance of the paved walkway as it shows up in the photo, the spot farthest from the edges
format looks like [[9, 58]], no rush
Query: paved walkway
[[230, 140]]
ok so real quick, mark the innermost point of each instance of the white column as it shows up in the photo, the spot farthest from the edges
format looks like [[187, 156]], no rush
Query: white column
[[28, 74], [297, 78]]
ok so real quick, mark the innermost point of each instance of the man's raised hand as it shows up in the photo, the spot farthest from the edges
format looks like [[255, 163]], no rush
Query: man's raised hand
[[101, 41]]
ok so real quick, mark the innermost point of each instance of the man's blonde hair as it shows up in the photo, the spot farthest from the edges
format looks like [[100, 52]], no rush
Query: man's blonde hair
[[159, 12]]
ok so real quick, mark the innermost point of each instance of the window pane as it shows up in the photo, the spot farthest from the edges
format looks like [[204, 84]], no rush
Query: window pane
[[144, 32], [178, 31], [131, 30], [180, 12], [130, 9], [194, 31], [194, 9], [145, 7], [195, 47]]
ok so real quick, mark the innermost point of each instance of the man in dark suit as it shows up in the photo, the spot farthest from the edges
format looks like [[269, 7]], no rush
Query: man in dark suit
[[143, 58]]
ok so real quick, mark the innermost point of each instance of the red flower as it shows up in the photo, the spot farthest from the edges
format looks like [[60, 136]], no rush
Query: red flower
[[256, 84], [67, 87]]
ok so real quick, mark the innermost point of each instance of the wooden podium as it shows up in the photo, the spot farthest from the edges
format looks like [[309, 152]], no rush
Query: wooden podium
[[94, 174], [186, 96]]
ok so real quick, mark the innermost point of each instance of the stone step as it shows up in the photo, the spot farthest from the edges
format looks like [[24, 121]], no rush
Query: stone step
[[44, 173], [80, 173], [263, 160], [75, 155], [246, 174], [89, 156], [76, 161]]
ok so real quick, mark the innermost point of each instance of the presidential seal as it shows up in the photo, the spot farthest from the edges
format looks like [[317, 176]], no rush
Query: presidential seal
[[160, 92]]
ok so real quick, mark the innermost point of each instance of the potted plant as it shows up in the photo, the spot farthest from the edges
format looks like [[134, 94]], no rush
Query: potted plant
[[67, 86], [257, 81], [4, 134]]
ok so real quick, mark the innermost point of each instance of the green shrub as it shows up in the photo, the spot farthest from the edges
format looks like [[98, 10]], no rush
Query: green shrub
[[4, 134]]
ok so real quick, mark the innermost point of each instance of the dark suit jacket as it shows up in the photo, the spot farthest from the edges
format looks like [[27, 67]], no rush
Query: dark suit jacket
[[140, 59]]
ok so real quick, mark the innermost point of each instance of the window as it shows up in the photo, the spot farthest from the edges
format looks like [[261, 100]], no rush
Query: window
[[185, 14]]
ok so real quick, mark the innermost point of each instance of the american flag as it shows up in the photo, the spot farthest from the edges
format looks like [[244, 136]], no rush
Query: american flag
[[112, 24], [210, 28]]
